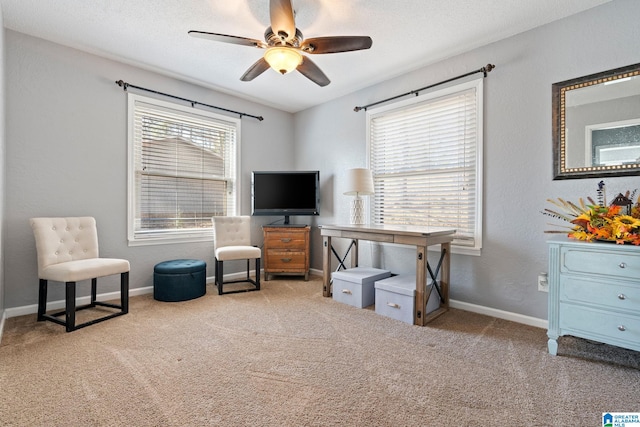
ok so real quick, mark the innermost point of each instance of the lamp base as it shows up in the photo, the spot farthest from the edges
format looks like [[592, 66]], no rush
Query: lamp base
[[357, 211]]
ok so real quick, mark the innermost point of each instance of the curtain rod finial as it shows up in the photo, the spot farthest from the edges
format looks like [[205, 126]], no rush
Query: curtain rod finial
[[122, 84], [488, 68]]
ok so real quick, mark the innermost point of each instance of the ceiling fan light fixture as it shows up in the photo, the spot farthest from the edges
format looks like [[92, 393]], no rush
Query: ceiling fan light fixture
[[286, 48], [283, 59]]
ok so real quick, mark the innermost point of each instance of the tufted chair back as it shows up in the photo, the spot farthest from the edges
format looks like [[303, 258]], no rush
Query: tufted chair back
[[64, 239], [232, 231]]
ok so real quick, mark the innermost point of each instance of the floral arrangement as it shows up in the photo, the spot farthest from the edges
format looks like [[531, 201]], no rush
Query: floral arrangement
[[617, 222]]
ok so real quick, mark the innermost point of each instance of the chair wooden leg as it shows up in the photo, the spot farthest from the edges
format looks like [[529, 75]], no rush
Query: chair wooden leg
[[258, 273], [70, 306], [124, 292], [42, 300], [94, 292], [219, 276]]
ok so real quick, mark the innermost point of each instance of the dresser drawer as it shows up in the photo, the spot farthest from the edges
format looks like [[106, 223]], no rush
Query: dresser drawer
[[620, 264], [611, 328], [284, 260], [288, 240], [600, 292]]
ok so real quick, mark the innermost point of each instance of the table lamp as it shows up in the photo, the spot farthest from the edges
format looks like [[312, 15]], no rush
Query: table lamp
[[359, 183]]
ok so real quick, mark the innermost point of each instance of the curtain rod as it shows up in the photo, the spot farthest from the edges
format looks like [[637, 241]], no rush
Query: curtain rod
[[125, 86], [486, 69]]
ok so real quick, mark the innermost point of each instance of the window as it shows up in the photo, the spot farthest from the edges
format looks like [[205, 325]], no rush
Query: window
[[426, 158], [182, 171]]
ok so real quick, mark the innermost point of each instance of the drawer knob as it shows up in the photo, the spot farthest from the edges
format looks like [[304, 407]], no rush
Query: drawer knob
[[285, 259], [346, 291], [622, 328], [393, 305], [622, 296], [285, 240], [623, 265]]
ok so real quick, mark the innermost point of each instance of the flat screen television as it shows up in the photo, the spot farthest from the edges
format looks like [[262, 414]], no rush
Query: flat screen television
[[285, 193]]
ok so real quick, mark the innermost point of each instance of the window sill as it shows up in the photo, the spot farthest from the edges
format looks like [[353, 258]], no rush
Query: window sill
[[171, 239]]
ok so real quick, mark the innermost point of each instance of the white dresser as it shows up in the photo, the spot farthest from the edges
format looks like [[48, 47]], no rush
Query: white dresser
[[594, 292]]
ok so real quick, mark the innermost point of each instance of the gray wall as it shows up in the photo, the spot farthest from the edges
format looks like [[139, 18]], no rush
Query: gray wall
[[2, 170], [66, 151], [67, 155], [517, 150]]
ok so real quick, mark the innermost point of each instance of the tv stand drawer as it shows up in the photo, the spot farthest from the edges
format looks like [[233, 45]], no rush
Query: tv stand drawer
[[280, 260], [286, 251], [285, 240]]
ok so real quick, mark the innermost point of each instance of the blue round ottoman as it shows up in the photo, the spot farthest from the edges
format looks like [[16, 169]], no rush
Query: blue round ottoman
[[179, 280]]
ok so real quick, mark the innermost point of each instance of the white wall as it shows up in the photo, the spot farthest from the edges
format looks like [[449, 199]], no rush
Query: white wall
[[66, 155], [518, 149]]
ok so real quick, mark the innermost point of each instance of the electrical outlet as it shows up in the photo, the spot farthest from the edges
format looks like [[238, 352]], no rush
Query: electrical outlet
[[543, 283]]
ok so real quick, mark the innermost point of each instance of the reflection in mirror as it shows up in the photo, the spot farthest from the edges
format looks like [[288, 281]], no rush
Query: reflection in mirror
[[597, 125]]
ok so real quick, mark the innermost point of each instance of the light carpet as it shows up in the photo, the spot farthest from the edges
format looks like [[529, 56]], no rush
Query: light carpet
[[287, 356]]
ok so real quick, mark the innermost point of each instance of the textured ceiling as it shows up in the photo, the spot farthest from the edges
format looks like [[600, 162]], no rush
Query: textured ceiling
[[407, 34]]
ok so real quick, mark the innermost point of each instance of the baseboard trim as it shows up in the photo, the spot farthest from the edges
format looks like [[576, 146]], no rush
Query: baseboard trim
[[474, 308], [2, 319], [500, 314]]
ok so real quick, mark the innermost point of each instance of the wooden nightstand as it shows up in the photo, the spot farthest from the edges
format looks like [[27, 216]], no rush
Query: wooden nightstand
[[286, 251]]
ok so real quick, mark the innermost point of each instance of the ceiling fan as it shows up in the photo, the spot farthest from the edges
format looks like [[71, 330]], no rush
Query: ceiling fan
[[285, 44]]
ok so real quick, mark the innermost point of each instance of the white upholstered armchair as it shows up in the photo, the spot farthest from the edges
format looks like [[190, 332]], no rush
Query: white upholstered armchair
[[232, 241], [67, 251]]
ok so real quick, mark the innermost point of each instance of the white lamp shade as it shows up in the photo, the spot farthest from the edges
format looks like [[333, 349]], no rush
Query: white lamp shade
[[359, 182]]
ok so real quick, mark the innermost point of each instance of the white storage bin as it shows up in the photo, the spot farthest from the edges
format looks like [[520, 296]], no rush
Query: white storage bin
[[395, 297], [354, 286]]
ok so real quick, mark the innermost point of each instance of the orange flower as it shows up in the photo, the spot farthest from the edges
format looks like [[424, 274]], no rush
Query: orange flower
[[613, 211], [601, 233]]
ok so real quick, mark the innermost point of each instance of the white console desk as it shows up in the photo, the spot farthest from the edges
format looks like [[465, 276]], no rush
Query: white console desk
[[421, 237]]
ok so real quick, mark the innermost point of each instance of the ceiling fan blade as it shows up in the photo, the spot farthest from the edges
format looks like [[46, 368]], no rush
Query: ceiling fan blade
[[224, 38], [336, 44], [255, 70], [311, 71], [282, 20]]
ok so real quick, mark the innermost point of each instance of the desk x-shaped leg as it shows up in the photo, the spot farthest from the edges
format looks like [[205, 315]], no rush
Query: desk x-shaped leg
[[434, 276], [354, 243]]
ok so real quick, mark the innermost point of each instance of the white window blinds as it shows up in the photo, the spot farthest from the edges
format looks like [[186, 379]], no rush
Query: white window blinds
[[183, 169], [425, 155]]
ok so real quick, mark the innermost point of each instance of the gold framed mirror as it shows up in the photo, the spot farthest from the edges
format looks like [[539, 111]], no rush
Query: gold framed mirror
[[596, 125]]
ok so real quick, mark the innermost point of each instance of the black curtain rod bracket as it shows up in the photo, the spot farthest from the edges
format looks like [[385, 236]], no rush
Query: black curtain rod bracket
[[124, 85], [485, 70]]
